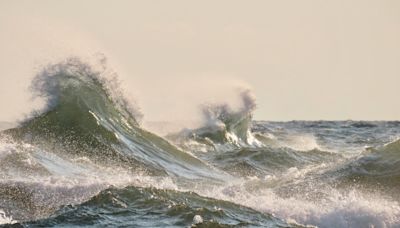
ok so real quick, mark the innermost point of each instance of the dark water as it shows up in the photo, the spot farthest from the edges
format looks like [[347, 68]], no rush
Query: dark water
[[86, 161]]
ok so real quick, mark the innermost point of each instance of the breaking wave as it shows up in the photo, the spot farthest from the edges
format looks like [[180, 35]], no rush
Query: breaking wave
[[223, 128]]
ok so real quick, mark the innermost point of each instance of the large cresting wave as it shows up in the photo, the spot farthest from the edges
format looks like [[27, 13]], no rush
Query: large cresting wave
[[87, 115]]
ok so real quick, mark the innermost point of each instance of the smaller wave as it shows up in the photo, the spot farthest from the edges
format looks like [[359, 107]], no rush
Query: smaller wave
[[134, 206], [362, 124], [225, 127], [267, 161], [376, 169], [381, 162]]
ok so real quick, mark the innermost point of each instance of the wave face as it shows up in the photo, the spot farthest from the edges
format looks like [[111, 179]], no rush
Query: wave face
[[85, 160], [375, 168], [88, 116]]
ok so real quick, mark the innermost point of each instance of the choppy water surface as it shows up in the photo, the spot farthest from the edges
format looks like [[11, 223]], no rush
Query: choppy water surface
[[86, 161]]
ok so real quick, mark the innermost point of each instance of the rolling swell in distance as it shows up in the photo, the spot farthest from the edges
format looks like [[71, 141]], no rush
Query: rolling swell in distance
[[85, 160]]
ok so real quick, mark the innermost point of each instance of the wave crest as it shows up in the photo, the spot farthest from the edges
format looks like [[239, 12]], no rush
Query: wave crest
[[56, 82]]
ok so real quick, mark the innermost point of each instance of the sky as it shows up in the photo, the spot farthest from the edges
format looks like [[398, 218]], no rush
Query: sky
[[303, 60]]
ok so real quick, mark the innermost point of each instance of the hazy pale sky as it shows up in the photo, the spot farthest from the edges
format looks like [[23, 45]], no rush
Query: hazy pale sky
[[329, 60]]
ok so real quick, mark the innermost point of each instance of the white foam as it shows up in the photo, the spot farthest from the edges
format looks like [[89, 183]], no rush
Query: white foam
[[197, 219], [305, 142], [351, 209], [5, 219]]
